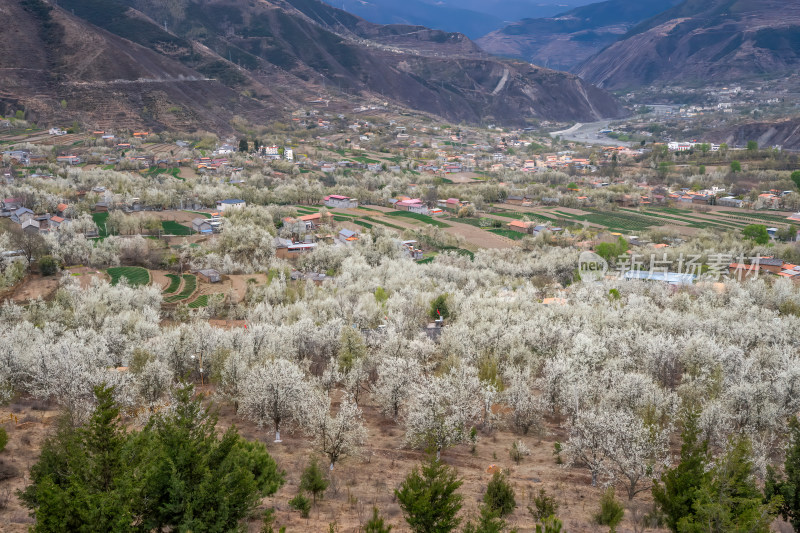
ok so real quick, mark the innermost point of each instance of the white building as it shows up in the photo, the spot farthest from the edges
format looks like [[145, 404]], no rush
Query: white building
[[230, 205]]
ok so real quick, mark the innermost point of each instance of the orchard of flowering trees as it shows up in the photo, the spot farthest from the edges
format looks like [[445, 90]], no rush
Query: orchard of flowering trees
[[614, 372]]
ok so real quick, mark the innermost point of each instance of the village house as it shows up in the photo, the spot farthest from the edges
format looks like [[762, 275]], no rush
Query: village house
[[69, 159], [202, 225], [741, 271], [521, 226], [286, 249], [209, 275], [414, 205], [338, 201], [21, 214], [347, 235], [230, 205]]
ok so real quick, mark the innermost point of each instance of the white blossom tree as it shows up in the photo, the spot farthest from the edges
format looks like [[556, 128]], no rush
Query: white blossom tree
[[336, 436], [396, 376], [441, 410], [274, 393]]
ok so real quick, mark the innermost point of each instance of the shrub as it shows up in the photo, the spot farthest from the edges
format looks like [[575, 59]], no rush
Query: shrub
[[500, 495], [544, 506], [301, 503], [3, 439], [48, 265], [611, 511], [313, 480], [518, 451]]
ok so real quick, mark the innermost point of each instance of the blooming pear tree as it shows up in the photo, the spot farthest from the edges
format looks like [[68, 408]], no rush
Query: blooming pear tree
[[336, 436], [274, 393]]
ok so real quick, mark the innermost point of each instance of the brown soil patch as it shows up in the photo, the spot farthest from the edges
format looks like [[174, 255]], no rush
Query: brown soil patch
[[32, 287], [237, 284]]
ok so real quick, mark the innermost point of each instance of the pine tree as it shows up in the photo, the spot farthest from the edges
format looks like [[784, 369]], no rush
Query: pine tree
[[81, 481], [375, 524], [729, 499], [489, 521], [313, 480], [499, 495], [676, 496], [196, 479], [788, 485], [428, 498]]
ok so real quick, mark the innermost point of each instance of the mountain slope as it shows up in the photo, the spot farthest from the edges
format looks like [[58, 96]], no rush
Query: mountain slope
[[566, 40], [419, 13], [785, 133], [701, 40], [60, 67], [473, 18], [116, 67]]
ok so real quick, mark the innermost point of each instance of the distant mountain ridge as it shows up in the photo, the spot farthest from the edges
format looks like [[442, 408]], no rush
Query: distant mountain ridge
[[567, 39], [474, 18], [699, 41], [195, 64]]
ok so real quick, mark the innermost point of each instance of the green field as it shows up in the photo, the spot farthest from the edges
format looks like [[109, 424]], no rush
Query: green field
[[740, 215], [171, 227], [416, 216], [688, 217], [100, 220], [200, 213], [174, 283], [200, 301], [364, 160], [134, 275], [387, 224], [189, 286], [174, 171], [511, 234]]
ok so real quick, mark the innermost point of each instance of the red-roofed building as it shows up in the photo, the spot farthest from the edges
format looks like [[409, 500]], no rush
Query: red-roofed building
[[338, 201]]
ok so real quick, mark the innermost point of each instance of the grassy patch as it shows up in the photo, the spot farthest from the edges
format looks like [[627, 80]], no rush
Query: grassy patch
[[200, 301], [422, 218], [381, 222], [365, 160], [511, 234], [199, 213], [171, 227], [100, 220], [189, 286], [174, 283], [134, 275]]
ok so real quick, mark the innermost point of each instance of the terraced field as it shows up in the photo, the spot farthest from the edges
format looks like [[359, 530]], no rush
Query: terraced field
[[100, 220], [422, 218], [683, 217], [174, 284], [171, 227], [511, 234], [189, 286], [134, 275], [763, 217], [200, 301]]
